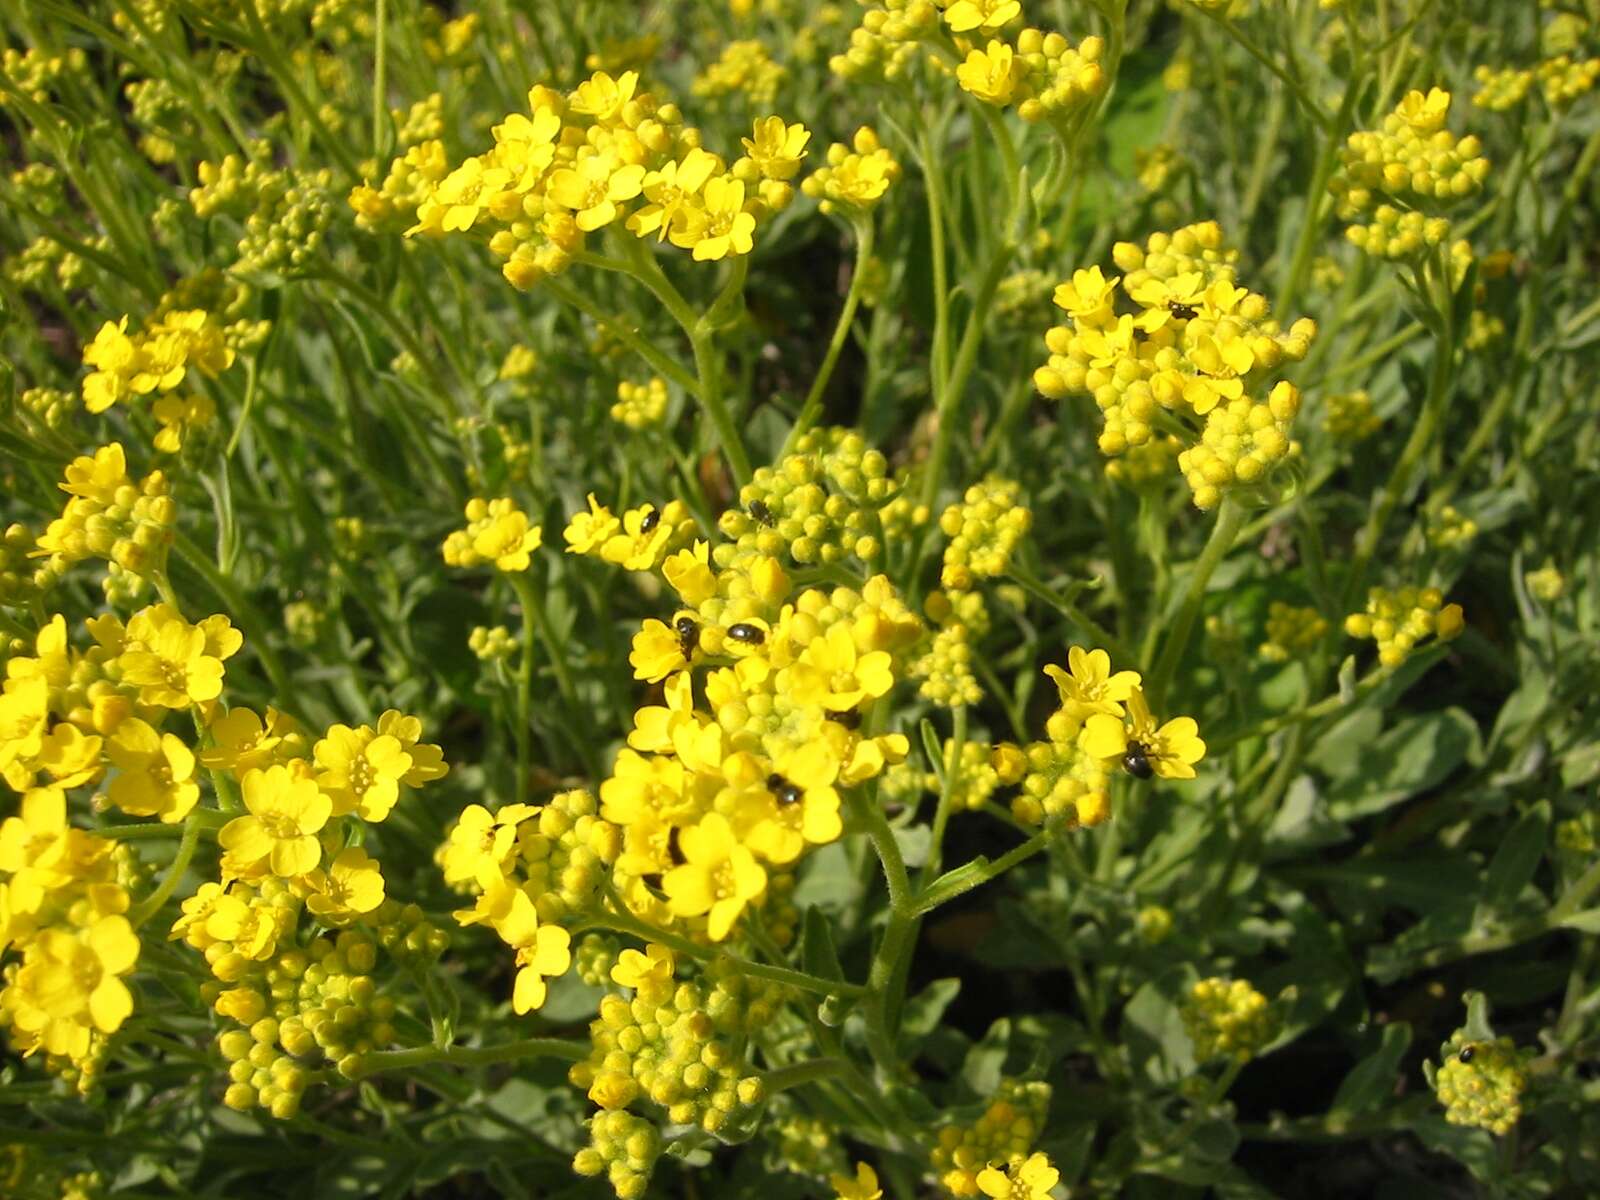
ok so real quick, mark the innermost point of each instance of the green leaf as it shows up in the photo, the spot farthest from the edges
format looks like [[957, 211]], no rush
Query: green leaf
[[1477, 1025], [817, 951], [1215, 1139], [1518, 857], [1410, 758], [986, 1060], [924, 1010], [1152, 1030], [1373, 1079]]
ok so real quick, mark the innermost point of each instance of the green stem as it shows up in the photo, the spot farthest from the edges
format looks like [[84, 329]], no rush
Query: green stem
[[380, 79], [151, 904], [784, 1078], [812, 408], [1230, 518], [966, 358], [975, 874], [1307, 101], [949, 776], [631, 338], [255, 625], [1098, 634], [470, 1056]]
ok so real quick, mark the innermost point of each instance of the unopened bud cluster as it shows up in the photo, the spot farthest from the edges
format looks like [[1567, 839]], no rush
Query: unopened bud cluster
[[110, 516], [1243, 440], [1400, 620], [640, 406], [1481, 1083], [1291, 631], [1350, 417], [1044, 75], [1227, 1018], [820, 503], [984, 529]]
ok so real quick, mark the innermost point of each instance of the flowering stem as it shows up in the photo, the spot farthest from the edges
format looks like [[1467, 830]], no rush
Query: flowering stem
[[812, 408], [624, 922], [950, 395], [975, 874], [470, 1056], [237, 605], [1421, 440], [625, 334], [783, 1078], [1230, 518], [152, 903], [1099, 634]]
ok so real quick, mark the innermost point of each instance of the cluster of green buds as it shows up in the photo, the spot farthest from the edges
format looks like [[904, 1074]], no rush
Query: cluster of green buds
[[24, 576], [1481, 1082], [681, 1046], [1399, 620], [819, 504], [1291, 630], [640, 406], [885, 45], [1350, 417], [1227, 1018], [984, 529], [491, 643]]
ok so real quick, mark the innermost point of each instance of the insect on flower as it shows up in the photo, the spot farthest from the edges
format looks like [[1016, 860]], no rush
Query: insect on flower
[[746, 633], [688, 631], [1136, 761], [782, 790], [650, 520], [761, 513]]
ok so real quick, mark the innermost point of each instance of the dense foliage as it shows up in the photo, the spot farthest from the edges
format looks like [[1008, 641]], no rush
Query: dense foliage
[[794, 598]]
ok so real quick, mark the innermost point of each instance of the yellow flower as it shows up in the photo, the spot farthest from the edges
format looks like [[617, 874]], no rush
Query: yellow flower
[[716, 224], [777, 148], [114, 355], [427, 759], [1425, 113], [172, 662], [718, 877], [542, 950], [963, 15], [1091, 687], [1088, 296], [795, 802], [671, 192], [157, 772], [69, 984], [24, 709], [603, 97], [657, 651], [863, 1187], [833, 673], [587, 532], [497, 531], [361, 771], [1030, 1179], [992, 74], [636, 970], [286, 809], [594, 187], [242, 740], [1170, 751], [351, 885], [482, 844]]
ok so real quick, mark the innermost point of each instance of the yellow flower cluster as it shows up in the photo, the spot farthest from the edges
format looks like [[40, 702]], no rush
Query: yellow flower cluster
[[640, 406], [391, 207], [984, 529], [1103, 723], [1187, 359], [639, 540], [1147, 465], [1399, 620], [491, 643], [856, 177], [1481, 1083], [64, 893], [743, 69], [888, 41], [1004, 1133], [284, 213], [945, 669], [1292, 631], [821, 504], [1400, 173], [1564, 79], [1500, 89], [1227, 1018], [497, 532], [1547, 583], [603, 154], [110, 516], [622, 1147], [1044, 75], [1349, 416], [156, 360]]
